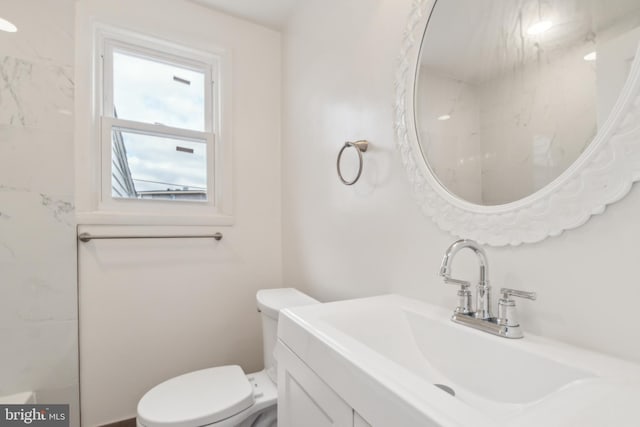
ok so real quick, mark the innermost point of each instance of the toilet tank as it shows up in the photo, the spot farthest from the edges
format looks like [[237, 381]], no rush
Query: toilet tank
[[270, 302]]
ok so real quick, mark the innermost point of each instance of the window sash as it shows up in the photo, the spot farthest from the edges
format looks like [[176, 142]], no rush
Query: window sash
[[134, 204], [209, 69]]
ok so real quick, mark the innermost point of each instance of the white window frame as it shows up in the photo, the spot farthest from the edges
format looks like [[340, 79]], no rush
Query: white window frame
[[215, 65]]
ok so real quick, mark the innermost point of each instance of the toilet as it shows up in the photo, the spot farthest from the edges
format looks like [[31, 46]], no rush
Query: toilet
[[224, 396]]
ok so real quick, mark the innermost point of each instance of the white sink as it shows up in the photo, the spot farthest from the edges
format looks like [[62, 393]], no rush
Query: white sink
[[385, 354]]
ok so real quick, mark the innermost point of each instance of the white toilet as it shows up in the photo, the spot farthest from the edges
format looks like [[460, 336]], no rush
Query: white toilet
[[224, 396]]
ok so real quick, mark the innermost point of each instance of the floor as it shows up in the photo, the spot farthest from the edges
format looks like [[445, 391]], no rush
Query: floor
[[125, 423]]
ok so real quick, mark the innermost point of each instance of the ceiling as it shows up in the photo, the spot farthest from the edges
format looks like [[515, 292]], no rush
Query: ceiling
[[270, 13]]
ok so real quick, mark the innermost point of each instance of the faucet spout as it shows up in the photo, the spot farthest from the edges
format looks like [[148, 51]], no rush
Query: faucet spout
[[483, 295]]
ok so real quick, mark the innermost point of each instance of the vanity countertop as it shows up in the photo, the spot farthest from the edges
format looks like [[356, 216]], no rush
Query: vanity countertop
[[383, 355]]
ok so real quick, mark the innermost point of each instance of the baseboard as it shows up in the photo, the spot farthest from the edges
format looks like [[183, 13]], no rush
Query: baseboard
[[124, 423]]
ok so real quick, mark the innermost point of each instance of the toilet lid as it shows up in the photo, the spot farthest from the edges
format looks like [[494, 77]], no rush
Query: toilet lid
[[197, 398]]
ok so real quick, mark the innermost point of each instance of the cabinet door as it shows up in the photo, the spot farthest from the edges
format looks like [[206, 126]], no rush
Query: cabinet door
[[304, 400]]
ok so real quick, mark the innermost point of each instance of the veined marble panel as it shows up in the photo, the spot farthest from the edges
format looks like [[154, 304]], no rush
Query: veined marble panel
[[38, 283], [45, 31], [38, 160], [37, 258], [35, 95], [39, 356]]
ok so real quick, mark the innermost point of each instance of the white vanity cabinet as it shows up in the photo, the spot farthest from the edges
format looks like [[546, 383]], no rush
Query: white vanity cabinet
[[304, 400]]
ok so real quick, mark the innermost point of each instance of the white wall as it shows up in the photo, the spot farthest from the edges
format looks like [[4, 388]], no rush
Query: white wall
[[38, 300], [153, 309], [340, 59]]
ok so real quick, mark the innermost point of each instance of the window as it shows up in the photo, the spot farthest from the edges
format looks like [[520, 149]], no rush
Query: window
[[159, 118]]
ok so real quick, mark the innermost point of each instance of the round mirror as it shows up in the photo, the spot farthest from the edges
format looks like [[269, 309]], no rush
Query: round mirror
[[518, 119], [509, 93]]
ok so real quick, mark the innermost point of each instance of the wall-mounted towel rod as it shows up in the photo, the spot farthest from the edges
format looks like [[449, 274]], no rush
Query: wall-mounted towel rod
[[86, 237]]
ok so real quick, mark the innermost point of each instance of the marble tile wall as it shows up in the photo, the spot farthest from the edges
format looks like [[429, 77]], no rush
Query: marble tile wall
[[536, 122], [453, 147], [511, 134], [38, 292]]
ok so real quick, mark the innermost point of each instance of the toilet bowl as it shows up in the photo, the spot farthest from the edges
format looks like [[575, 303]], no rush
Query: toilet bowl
[[224, 396]]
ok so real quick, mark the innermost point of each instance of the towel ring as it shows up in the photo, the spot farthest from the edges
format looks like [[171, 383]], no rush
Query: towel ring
[[361, 146]]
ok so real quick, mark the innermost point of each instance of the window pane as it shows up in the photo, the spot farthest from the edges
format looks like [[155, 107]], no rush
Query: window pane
[[154, 167], [154, 92]]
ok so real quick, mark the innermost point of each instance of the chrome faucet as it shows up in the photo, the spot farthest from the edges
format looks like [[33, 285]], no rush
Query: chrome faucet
[[506, 324], [483, 293]]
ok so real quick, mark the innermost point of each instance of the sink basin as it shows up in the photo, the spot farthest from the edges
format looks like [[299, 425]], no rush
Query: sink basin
[[394, 355]]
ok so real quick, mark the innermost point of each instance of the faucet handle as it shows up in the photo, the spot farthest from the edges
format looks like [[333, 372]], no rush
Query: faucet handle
[[507, 292], [507, 314], [451, 281], [464, 294]]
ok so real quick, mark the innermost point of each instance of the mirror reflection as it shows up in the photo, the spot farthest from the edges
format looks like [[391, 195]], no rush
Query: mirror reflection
[[510, 92]]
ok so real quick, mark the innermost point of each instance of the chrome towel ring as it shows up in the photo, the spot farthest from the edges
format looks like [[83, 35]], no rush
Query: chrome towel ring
[[361, 146]]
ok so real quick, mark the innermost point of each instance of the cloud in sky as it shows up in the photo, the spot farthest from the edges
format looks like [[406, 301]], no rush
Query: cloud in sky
[[155, 159]]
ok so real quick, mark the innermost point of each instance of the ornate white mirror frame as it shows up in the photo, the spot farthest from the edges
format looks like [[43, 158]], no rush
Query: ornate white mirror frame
[[603, 174]]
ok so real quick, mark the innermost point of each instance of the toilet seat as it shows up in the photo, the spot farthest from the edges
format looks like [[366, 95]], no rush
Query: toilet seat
[[224, 396], [197, 399]]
